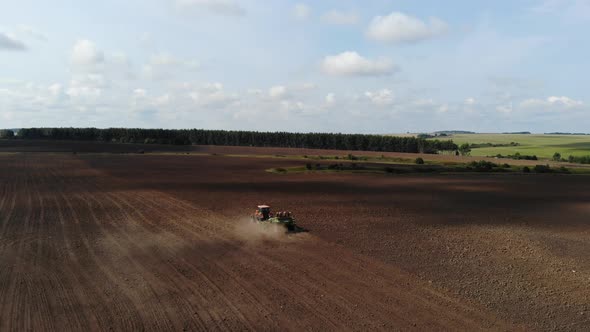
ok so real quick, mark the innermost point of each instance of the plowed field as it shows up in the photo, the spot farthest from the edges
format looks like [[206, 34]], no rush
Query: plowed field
[[163, 242]]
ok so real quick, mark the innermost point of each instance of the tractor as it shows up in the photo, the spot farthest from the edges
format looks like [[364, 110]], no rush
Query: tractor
[[263, 215]]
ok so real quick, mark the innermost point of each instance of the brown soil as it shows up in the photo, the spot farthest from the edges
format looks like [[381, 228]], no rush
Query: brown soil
[[132, 242]]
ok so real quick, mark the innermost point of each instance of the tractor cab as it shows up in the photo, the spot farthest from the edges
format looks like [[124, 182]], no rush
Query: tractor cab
[[263, 212]]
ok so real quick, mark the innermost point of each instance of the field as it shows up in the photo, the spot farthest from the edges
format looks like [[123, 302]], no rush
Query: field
[[543, 146], [162, 241]]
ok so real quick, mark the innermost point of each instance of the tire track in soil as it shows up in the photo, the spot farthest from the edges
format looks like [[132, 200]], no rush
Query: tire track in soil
[[311, 310], [120, 304], [162, 204], [144, 260], [219, 322]]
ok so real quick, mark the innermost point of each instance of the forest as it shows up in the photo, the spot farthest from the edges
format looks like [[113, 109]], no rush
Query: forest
[[335, 141]]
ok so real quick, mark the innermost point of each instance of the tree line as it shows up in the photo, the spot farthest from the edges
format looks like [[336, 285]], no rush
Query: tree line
[[335, 141]]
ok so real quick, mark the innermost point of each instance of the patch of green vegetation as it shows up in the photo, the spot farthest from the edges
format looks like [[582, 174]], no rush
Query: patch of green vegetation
[[481, 166], [543, 146], [278, 170]]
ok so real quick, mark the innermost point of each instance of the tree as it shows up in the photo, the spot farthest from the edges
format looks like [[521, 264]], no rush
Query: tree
[[336, 141], [557, 156], [6, 133], [465, 149], [419, 161]]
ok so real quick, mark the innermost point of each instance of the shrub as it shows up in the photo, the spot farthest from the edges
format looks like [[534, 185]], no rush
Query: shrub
[[465, 149], [506, 166], [419, 161], [308, 166], [526, 169], [556, 156], [6, 133], [580, 159], [482, 165], [352, 157], [542, 169]]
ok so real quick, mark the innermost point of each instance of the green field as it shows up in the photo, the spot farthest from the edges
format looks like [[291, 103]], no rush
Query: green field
[[543, 146]]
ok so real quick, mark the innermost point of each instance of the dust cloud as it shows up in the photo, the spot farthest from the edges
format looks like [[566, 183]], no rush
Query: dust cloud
[[253, 233]]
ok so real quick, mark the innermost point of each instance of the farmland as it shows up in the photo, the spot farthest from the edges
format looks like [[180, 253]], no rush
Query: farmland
[[161, 241], [543, 146]]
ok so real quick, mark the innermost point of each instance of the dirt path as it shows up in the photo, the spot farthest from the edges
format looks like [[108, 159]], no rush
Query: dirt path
[[78, 255]]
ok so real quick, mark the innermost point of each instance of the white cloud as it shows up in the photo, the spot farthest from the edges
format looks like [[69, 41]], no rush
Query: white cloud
[[10, 43], [292, 106], [340, 18], [301, 11], [470, 101], [330, 99], [551, 103], [139, 93], [85, 53], [306, 86], [212, 95], [55, 89], [399, 28], [220, 7], [77, 90], [162, 100], [277, 92], [566, 101], [505, 108], [443, 109], [89, 86], [383, 97], [352, 64]]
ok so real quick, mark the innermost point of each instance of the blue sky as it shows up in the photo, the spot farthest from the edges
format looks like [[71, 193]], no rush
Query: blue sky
[[369, 66]]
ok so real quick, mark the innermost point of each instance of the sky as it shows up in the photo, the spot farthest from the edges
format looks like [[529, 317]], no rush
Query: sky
[[371, 66]]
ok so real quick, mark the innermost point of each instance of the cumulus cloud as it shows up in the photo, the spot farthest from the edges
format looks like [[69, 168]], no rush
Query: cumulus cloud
[[383, 97], [506, 109], [553, 102], [87, 87], [85, 53], [301, 11], [139, 93], [337, 17], [470, 101], [212, 95], [401, 28], [10, 43], [277, 92], [330, 99], [352, 64], [220, 7]]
